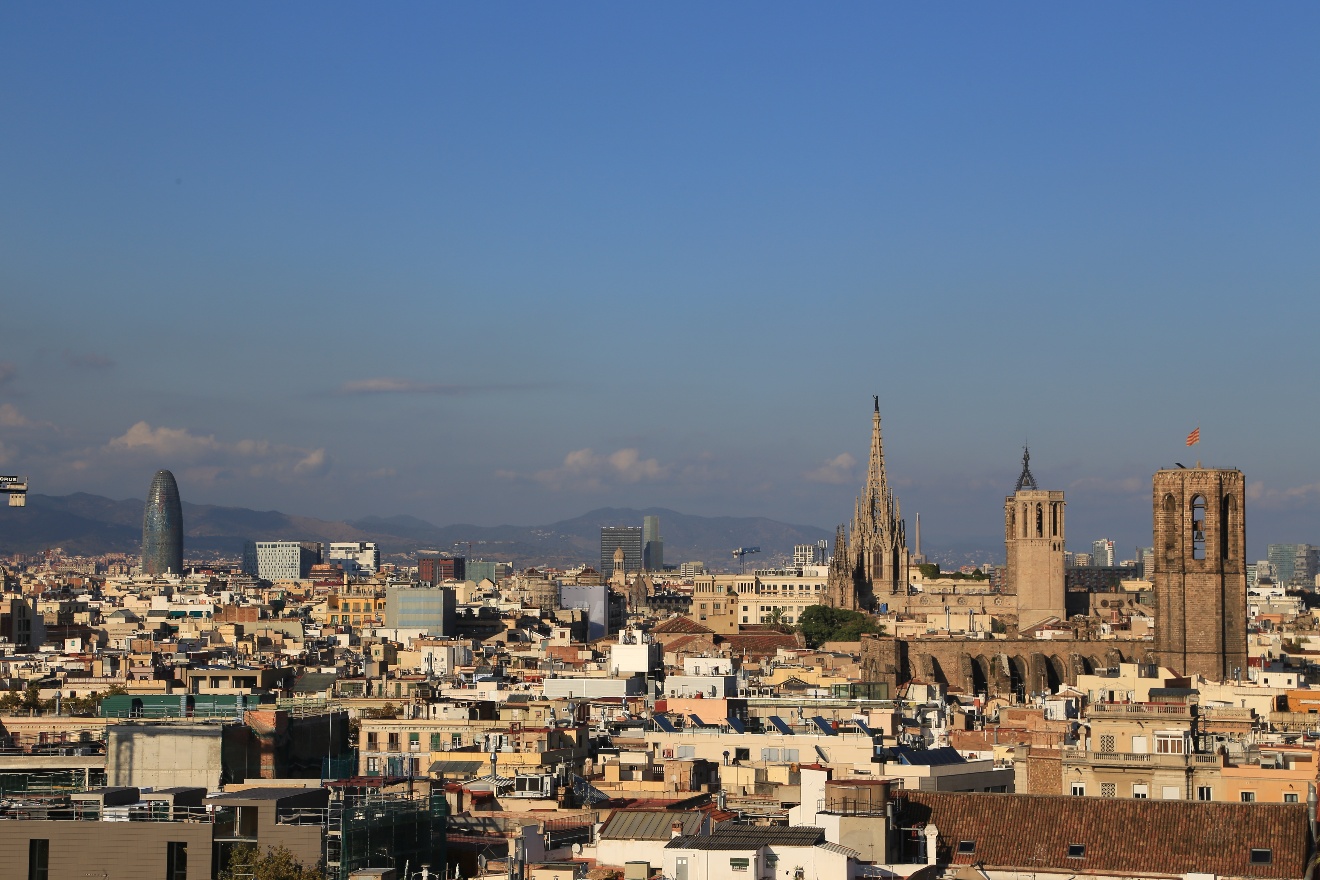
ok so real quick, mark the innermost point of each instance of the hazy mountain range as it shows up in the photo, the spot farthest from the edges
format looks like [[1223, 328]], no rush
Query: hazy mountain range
[[84, 524]]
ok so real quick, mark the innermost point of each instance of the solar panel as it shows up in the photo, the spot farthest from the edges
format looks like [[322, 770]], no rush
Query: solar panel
[[697, 721], [780, 725], [664, 724], [825, 727], [861, 725], [736, 725]]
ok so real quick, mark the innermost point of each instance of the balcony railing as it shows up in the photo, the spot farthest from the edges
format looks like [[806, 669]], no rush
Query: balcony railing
[[1139, 759], [1127, 710]]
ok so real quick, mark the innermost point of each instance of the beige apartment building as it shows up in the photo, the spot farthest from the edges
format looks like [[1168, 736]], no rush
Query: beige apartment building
[[413, 746], [352, 606], [1146, 750], [724, 602]]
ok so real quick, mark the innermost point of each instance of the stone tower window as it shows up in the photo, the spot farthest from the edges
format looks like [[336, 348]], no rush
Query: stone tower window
[[1198, 527], [1040, 521], [1227, 517], [1166, 525], [1054, 520]]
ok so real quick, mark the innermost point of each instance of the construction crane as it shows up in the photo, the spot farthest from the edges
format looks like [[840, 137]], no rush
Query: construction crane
[[740, 553]]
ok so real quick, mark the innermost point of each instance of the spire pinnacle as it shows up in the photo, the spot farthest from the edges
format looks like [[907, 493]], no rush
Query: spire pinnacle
[[877, 485], [1025, 479]]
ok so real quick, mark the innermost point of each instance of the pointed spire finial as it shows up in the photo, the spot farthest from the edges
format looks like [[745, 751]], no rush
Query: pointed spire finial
[[1025, 479], [876, 398]]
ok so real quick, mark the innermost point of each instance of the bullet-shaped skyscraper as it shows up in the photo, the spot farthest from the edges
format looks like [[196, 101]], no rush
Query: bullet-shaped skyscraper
[[162, 527]]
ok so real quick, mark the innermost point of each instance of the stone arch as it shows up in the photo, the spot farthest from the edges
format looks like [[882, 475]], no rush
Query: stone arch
[[1038, 676], [1227, 523], [980, 676], [965, 670], [1081, 665], [935, 672], [1057, 673], [1019, 677], [1113, 658]]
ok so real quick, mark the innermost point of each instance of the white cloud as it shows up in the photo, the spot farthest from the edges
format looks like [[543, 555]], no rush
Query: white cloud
[[586, 469], [171, 442], [1291, 497], [10, 417], [314, 463], [837, 470], [210, 460]]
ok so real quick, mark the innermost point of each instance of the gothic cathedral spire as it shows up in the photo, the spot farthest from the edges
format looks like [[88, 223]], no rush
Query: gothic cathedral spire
[[877, 554]]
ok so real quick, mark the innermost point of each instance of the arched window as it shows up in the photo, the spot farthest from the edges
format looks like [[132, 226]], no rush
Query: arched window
[[1012, 522], [1054, 520], [1168, 524], [1198, 527], [1227, 521], [1040, 521], [1024, 521]]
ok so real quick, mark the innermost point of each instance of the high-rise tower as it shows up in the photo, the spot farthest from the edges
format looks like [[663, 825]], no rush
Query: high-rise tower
[[627, 537], [653, 548], [1033, 547], [1200, 571], [162, 527], [871, 561]]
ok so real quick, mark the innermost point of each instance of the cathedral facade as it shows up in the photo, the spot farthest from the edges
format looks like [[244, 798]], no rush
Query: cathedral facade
[[871, 558]]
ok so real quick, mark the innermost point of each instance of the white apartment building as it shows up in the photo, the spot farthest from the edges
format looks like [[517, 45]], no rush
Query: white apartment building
[[773, 596], [355, 556], [283, 560]]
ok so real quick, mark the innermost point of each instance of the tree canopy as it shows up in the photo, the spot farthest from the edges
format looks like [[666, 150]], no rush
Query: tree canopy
[[821, 623], [276, 863]]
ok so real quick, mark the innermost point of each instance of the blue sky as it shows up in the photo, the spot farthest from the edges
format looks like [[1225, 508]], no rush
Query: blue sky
[[506, 263]]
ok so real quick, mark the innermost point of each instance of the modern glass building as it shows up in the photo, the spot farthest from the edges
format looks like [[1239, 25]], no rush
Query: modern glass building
[[653, 548], [426, 608], [162, 527], [613, 537]]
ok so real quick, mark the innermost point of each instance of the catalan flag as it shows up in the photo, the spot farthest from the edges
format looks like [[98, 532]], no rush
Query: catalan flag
[[1194, 437]]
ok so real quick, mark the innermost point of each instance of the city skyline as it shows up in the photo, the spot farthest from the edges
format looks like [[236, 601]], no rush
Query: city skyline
[[673, 252]]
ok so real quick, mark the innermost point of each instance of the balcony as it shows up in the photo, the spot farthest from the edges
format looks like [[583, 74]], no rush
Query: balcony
[[1138, 759], [1167, 711]]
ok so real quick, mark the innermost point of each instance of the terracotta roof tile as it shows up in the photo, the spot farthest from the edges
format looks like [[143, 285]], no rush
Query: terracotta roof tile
[[683, 625], [1121, 836]]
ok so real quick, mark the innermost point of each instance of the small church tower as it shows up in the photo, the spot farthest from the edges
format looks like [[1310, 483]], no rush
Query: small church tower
[[1033, 544]]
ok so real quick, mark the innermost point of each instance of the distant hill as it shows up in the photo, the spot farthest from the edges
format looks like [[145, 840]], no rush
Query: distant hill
[[86, 524]]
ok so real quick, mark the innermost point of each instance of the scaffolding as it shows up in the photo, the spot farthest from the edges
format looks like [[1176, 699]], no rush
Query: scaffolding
[[49, 782], [381, 832]]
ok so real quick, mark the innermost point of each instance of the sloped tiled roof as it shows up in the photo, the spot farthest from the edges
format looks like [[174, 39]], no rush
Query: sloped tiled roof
[[694, 642], [735, 837], [681, 625], [1121, 836], [648, 824], [760, 644]]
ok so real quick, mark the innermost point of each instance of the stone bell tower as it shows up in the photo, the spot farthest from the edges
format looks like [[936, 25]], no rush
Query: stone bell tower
[[1033, 547], [1200, 571]]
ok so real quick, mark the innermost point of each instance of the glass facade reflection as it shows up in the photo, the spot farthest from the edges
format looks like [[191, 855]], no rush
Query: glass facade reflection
[[162, 527]]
